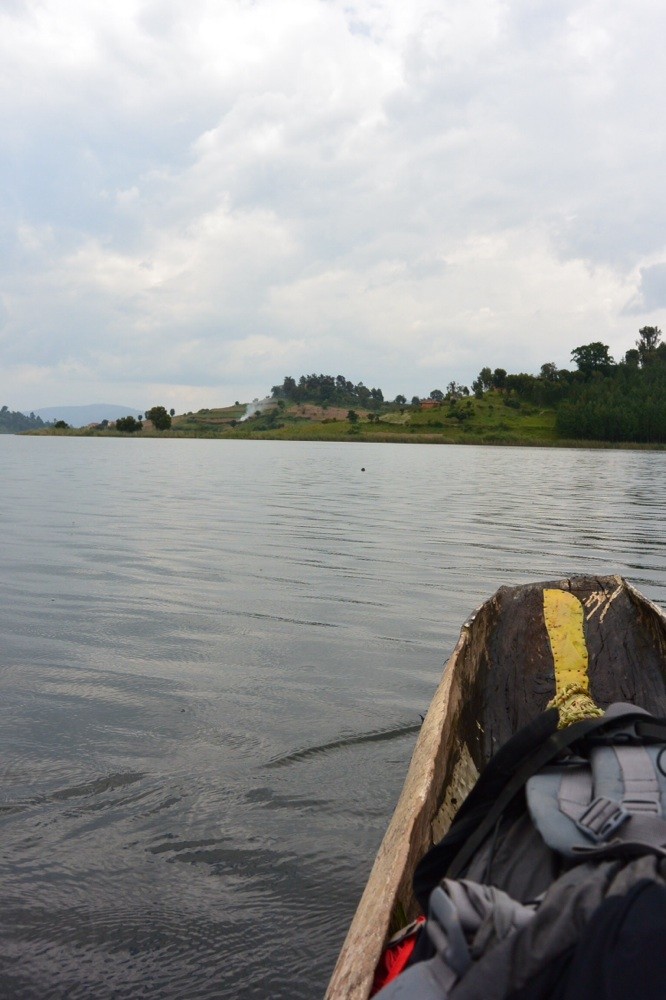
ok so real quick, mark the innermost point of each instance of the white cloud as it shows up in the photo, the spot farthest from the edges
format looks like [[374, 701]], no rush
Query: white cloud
[[201, 197]]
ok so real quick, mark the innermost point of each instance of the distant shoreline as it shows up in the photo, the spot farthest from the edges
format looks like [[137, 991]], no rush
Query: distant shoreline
[[494, 417], [344, 437]]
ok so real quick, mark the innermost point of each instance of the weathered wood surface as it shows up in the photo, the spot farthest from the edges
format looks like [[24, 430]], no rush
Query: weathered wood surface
[[500, 675]]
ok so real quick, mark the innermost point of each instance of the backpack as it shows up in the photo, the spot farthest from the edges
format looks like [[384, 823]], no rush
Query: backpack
[[560, 823]]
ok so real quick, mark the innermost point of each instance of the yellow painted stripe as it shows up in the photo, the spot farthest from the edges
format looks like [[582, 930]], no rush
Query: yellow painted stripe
[[565, 618]]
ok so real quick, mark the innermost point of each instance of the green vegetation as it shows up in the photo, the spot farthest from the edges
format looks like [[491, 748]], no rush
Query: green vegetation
[[629, 406], [13, 422], [128, 425], [207, 422], [452, 421], [158, 416], [600, 402], [327, 390]]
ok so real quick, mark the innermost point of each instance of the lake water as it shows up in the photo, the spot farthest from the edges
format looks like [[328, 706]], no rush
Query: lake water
[[213, 659]]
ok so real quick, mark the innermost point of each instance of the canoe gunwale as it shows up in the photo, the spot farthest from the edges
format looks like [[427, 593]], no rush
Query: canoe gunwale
[[406, 839]]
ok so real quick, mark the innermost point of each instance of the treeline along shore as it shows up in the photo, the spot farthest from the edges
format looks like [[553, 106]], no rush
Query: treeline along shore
[[598, 402]]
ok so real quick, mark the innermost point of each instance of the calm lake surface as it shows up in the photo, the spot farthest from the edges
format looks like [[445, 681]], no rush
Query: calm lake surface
[[213, 659]]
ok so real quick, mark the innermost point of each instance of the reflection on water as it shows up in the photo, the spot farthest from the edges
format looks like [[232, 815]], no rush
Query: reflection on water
[[215, 656]]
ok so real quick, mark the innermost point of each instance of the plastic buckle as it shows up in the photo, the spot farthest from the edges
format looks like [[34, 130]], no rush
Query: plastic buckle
[[646, 803], [601, 818]]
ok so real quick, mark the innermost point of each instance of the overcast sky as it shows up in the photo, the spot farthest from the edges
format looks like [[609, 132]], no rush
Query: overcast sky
[[200, 197]]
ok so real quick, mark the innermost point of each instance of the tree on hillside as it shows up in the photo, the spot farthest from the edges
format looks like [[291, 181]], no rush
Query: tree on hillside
[[629, 406], [327, 389], [13, 422], [159, 418], [455, 390], [461, 412], [499, 378], [592, 357], [521, 383], [549, 372], [437, 395], [128, 425], [647, 343], [364, 395], [400, 399]]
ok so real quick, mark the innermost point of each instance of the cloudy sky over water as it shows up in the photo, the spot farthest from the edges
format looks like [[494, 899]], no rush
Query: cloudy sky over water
[[199, 197]]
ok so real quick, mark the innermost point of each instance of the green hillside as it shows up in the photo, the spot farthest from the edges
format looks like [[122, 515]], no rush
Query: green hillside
[[602, 402], [487, 420]]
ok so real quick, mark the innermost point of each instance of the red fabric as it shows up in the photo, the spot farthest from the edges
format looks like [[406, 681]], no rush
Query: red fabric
[[395, 957]]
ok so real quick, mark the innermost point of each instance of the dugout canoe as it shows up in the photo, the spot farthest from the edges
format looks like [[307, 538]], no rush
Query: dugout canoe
[[514, 654]]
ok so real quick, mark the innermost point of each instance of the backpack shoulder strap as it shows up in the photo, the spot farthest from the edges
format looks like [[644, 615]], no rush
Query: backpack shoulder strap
[[547, 752], [617, 796]]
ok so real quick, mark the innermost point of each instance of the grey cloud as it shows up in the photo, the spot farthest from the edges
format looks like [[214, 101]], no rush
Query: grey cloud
[[476, 184], [651, 294]]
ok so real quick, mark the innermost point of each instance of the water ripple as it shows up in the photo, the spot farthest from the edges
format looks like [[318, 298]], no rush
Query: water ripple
[[215, 655], [378, 736]]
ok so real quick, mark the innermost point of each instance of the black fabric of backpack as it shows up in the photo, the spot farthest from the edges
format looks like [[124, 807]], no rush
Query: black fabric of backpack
[[620, 955]]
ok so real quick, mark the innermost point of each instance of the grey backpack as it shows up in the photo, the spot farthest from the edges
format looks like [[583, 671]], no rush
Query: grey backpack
[[612, 801], [587, 819]]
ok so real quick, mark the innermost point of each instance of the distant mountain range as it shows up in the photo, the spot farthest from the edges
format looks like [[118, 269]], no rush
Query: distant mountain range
[[80, 416]]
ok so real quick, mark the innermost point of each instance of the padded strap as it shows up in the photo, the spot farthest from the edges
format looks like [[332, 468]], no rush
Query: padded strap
[[627, 805], [641, 788]]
